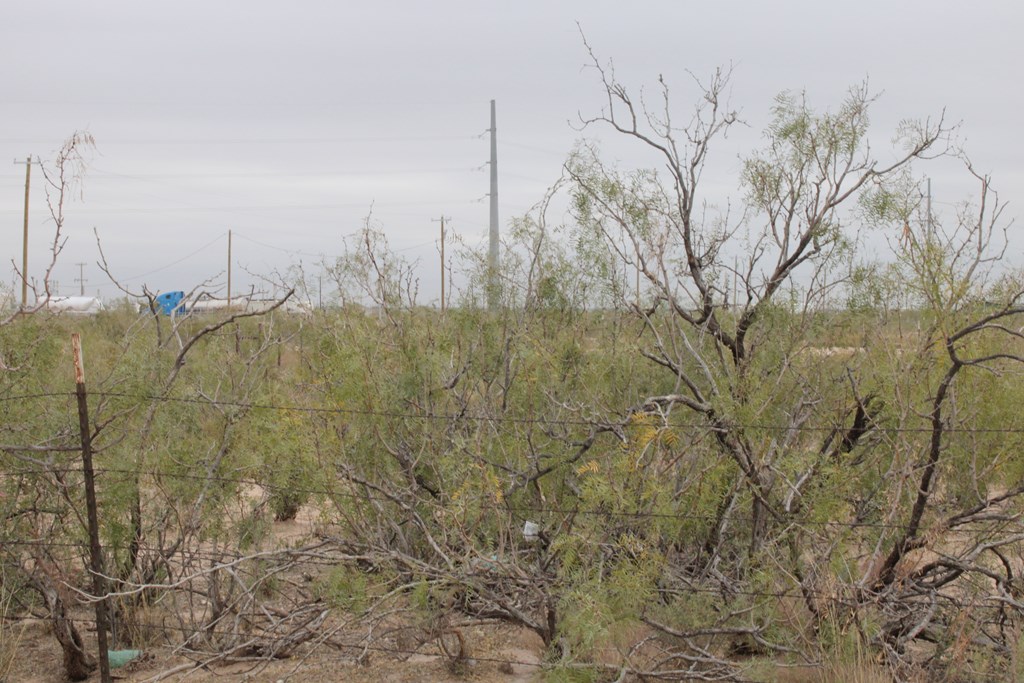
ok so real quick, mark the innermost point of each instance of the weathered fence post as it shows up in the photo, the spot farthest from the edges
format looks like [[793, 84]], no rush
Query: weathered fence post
[[99, 584]]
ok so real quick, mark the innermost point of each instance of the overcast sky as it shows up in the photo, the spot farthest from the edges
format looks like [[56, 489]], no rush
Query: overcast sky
[[287, 122]]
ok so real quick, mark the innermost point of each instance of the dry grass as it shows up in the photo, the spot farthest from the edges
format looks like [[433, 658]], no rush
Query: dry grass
[[835, 673]]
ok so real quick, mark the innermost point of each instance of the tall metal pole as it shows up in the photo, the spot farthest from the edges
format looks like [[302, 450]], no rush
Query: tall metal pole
[[95, 552], [24, 239], [493, 256], [442, 265], [442, 220], [229, 269]]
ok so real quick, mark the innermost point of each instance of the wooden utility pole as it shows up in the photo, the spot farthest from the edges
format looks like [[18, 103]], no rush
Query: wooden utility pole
[[442, 219], [95, 552], [24, 239], [229, 270]]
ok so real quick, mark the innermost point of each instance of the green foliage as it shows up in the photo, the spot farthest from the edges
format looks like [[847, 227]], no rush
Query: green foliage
[[344, 587], [566, 674], [775, 473]]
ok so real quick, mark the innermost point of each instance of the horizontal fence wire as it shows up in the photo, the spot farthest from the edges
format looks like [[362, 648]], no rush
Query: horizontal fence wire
[[186, 555], [799, 593], [478, 504], [501, 419]]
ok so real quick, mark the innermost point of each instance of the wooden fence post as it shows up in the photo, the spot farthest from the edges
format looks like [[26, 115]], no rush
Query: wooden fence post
[[99, 584]]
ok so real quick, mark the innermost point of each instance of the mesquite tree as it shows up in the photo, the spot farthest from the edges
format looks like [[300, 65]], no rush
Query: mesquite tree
[[796, 446]]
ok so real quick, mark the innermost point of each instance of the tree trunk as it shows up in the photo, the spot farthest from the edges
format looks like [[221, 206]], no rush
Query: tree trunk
[[78, 663]]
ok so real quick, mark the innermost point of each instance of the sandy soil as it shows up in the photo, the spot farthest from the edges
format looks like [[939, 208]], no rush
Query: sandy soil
[[498, 652], [502, 654]]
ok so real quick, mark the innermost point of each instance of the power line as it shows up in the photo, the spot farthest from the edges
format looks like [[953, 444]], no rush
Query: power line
[[174, 263], [100, 174], [253, 207], [533, 148], [260, 141], [280, 249]]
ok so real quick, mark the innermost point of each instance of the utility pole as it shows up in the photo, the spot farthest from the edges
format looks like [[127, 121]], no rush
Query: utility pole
[[81, 278], [442, 220], [492, 255], [24, 239], [638, 286], [735, 281], [929, 208], [229, 270]]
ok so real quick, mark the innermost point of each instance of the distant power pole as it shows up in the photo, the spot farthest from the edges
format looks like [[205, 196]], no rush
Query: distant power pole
[[229, 269], [735, 281], [24, 239], [81, 278], [492, 255], [929, 208], [442, 220]]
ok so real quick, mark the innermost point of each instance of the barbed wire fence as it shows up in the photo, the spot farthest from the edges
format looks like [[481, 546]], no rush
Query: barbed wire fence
[[221, 559]]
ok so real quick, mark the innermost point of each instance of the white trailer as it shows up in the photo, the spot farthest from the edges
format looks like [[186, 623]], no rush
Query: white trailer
[[76, 305]]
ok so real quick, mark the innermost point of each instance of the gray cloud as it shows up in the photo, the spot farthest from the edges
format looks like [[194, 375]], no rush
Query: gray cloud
[[286, 122]]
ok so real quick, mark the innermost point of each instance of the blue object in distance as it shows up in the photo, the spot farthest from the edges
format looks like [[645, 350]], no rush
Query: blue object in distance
[[170, 303]]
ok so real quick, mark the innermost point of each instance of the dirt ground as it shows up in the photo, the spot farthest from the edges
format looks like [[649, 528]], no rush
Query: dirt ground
[[498, 653]]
